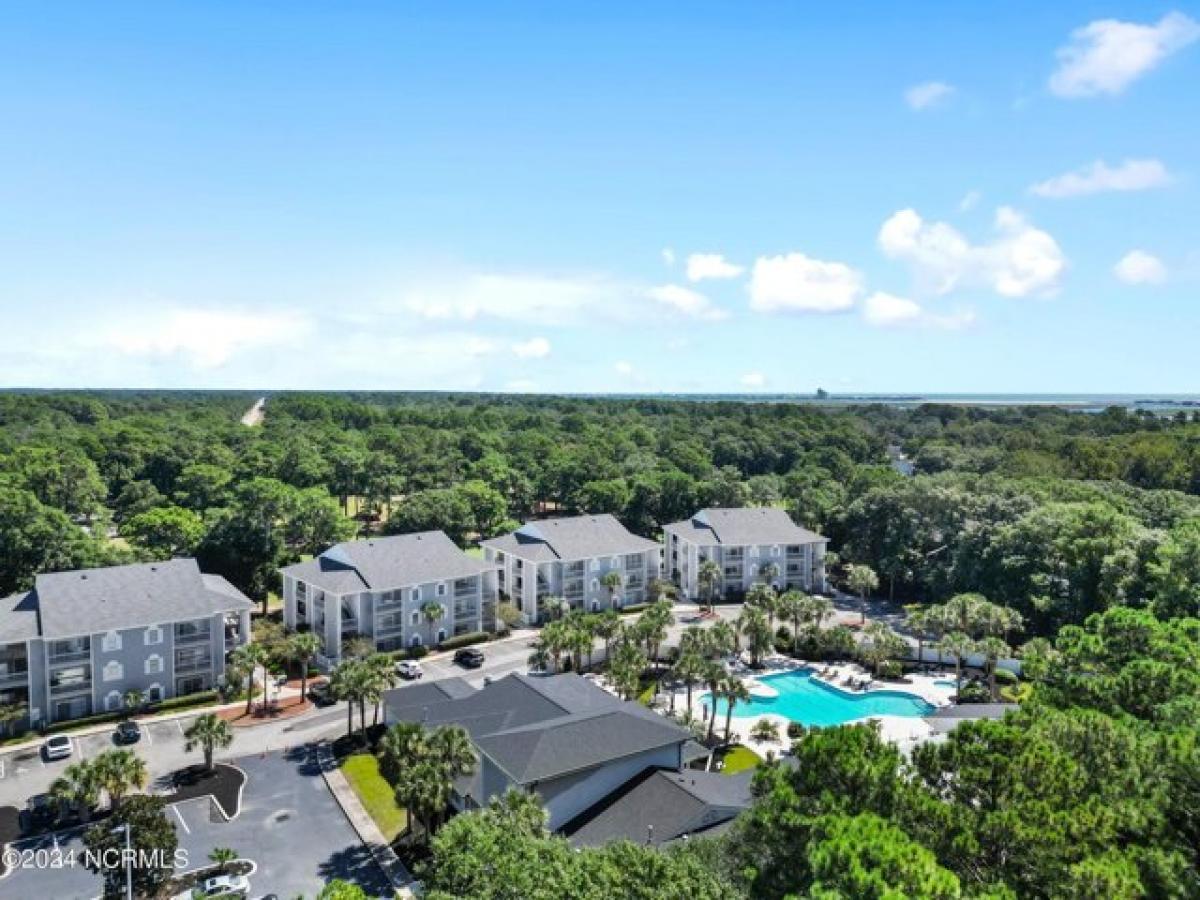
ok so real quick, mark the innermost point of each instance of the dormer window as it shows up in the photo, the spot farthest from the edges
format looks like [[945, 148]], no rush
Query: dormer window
[[111, 642], [153, 635]]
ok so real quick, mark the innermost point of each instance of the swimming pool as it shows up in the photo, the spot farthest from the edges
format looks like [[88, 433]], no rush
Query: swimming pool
[[810, 701]]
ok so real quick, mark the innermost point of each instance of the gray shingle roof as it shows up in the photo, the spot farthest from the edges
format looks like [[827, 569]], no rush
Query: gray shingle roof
[[662, 806], [573, 537], [742, 527], [89, 601], [537, 728], [384, 563], [18, 618]]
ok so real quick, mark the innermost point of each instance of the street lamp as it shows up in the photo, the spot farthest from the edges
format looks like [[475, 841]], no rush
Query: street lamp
[[128, 860]]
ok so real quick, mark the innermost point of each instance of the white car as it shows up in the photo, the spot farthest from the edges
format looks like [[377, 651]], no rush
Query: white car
[[221, 885], [58, 747], [409, 669]]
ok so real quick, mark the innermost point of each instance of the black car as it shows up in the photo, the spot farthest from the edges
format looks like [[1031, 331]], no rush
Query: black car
[[320, 694], [469, 658], [128, 732]]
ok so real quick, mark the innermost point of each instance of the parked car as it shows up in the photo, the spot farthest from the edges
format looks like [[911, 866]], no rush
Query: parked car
[[58, 747], [41, 812], [409, 669], [222, 885], [128, 732], [469, 658], [320, 694]]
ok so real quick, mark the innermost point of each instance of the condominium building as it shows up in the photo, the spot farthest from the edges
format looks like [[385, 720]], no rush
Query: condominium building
[[80, 641], [387, 590], [569, 558], [747, 545]]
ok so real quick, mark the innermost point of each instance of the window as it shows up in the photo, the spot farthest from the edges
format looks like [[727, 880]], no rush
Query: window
[[416, 641], [775, 550], [112, 701], [154, 664], [111, 642], [614, 562], [153, 635], [441, 590], [595, 584], [595, 606], [154, 693], [113, 671], [416, 618], [415, 595], [441, 635]]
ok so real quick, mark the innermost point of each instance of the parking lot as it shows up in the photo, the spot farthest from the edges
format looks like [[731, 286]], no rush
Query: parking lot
[[289, 825]]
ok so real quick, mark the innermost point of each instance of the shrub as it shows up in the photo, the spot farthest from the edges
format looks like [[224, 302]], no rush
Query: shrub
[[464, 640], [795, 731], [764, 730], [418, 652], [1004, 676], [783, 635], [891, 669], [633, 608], [836, 643], [974, 692]]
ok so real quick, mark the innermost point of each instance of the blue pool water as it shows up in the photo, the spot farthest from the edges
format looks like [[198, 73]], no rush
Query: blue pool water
[[946, 682], [810, 701]]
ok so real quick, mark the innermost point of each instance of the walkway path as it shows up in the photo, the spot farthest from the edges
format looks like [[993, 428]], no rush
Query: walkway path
[[255, 414]]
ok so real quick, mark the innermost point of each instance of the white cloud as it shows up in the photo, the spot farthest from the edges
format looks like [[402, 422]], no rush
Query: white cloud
[[623, 367], [711, 265], [668, 256], [797, 283], [969, 201], [684, 300], [1099, 177], [927, 94], [754, 380], [539, 299], [1106, 56], [203, 338], [888, 311], [1020, 261], [1140, 267], [534, 348]]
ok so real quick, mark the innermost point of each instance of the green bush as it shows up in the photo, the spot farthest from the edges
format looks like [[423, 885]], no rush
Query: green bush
[[633, 608], [974, 692], [417, 652], [795, 731], [201, 698], [891, 670], [464, 640], [1004, 676]]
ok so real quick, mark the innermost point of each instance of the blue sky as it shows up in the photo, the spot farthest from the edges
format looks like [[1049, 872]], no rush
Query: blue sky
[[685, 197]]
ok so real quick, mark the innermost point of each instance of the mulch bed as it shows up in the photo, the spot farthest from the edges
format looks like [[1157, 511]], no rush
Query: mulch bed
[[259, 713], [223, 784]]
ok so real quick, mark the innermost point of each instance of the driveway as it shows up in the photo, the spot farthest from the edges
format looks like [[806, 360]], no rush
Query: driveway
[[289, 824]]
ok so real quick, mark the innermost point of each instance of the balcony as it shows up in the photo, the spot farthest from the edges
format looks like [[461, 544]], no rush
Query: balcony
[[185, 636], [10, 677], [63, 688], [574, 570], [201, 664], [74, 656]]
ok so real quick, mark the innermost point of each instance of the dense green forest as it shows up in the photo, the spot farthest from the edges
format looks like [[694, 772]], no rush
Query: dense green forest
[[1088, 525], [1056, 514]]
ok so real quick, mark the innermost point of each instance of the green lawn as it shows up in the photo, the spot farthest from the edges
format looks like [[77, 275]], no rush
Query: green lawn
[[739, 759], [476, 552], [362, 771]]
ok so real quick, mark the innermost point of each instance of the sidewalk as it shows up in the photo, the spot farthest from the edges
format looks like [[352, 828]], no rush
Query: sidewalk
[[364, 826]]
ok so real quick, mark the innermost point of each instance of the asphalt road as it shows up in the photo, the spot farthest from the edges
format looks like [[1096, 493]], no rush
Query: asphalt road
[[289, 825]]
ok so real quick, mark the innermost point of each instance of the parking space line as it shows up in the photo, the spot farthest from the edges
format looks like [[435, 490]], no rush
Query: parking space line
[[179, 725], [149, 735], [179, 816]]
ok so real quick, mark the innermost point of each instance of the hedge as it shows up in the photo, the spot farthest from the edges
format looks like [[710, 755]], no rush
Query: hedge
[[464, 640], [634, 608], [202, 698]]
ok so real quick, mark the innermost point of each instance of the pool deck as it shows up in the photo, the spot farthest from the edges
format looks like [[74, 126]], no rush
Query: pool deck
[[905, 731]]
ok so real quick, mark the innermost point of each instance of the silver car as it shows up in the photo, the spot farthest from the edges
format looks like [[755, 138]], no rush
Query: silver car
[[58, 747]]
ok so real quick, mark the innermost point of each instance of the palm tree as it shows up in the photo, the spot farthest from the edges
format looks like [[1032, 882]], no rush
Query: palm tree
[[763, 597], [793, 606], [965, 612], [118, 772], [993, 649], [423, 767], [625, 669], [78, 787], [302, 647], [539, 659], [708, 577], [880, 645], [132, 700], [714, 675], [723, 638], [734, 690], [381, 677], [222, 857], [451, 747], [520, 811], [688, 668], [961, 646], [606, 626], [862, 580], [921, 623], [554, 639], [350, 683], [11, 714], [768, 571], [209, 732], [403, 743], [432, 612], [819, 609], [612, 581], [245, 662], [753, 624]]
